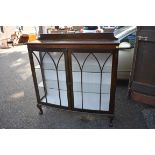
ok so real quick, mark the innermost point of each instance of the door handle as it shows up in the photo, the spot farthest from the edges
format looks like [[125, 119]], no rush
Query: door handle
[[142, 38]]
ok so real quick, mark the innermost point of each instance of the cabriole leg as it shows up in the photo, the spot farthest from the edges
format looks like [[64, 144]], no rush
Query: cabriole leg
[[40, 108]]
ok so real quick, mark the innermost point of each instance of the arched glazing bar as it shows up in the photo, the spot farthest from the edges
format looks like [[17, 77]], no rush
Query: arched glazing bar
[[101, 67], [42, 72], [56, 65], [101, 79]]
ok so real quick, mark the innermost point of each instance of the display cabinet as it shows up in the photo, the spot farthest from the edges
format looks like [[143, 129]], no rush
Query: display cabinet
[[77, 72]]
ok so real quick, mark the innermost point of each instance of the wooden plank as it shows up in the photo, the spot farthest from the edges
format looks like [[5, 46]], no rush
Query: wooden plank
[[143, 98], [77, 36], [143, 88]]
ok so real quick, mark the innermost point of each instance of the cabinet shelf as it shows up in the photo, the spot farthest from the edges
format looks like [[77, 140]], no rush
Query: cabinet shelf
[[53, 98], [91, 78], [87, 87], [78, 71]]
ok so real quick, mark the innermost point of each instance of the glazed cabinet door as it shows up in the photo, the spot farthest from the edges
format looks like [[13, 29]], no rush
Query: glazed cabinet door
[[92, 80], [49, 66]]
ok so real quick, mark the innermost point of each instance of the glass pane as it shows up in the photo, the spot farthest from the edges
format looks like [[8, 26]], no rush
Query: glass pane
[[92, 80]]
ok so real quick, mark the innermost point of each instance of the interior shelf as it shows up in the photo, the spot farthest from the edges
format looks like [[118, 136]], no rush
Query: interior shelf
[[54, 85], [91, 101], [53, 97], [51, 75], [90, 69], [91, 82], [87, 77], [87, 87], [106, 70], [92, 78]]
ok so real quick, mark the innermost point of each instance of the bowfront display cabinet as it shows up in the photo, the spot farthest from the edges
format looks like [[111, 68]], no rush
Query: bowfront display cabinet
[[77, 72]]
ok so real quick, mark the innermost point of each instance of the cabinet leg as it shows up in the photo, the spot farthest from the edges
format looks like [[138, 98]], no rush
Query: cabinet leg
[[111, 121], [40, 108]]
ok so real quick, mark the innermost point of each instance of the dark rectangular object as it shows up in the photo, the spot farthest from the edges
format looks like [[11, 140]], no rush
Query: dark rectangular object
[[142, 80], [23, 38]]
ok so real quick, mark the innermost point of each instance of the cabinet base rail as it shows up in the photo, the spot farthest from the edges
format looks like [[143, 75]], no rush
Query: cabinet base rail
[[103, 113]]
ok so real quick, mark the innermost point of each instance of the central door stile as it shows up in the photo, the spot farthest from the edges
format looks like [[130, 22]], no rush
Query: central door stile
[[69, 78]]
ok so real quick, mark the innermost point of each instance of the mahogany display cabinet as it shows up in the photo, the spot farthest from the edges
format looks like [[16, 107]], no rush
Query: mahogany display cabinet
[[77, 72]]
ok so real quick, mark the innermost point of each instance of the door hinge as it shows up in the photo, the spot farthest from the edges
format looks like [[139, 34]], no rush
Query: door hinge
[[142, 38]]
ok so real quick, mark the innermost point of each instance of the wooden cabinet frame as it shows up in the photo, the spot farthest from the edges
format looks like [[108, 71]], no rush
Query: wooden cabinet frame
[[68, 44]]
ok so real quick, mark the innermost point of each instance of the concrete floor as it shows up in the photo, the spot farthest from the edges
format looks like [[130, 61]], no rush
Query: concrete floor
[[18, 102]]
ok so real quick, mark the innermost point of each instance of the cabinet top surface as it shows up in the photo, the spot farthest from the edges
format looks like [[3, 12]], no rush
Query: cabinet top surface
[[80, 42], [77, 39]]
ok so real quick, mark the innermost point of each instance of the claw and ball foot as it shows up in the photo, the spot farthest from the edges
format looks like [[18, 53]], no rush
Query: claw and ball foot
[[40, 108]]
